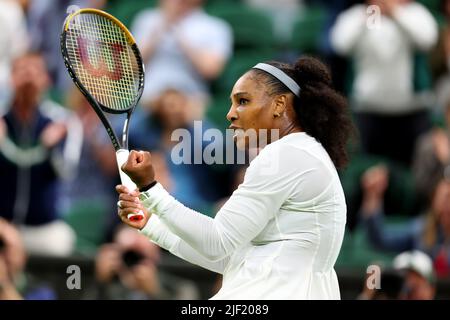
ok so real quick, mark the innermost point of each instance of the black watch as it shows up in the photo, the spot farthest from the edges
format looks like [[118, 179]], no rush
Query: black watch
[[148, 187]]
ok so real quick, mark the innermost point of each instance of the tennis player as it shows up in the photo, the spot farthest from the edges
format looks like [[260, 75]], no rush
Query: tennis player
[[280, 233]]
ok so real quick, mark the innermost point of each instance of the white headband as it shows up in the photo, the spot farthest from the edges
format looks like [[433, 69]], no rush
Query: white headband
[[280, 75]]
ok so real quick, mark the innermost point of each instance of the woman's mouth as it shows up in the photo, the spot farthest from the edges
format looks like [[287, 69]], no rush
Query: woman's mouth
[[238, 133]]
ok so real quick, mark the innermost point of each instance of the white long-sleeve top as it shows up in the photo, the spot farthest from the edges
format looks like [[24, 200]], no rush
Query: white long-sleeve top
[[279, 234], [383, 54]]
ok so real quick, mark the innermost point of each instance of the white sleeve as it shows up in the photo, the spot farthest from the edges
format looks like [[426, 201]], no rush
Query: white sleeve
[[268, 182], [158, 233], [418, 23], [144, 25], [349, 27], [217, 39]]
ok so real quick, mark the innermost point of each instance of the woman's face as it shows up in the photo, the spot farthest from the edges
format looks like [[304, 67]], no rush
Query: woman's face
[[171, 109], [252, 109], [29, 75]]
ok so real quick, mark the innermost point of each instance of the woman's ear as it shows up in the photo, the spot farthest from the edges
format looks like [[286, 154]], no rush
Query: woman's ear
[[279, 105]]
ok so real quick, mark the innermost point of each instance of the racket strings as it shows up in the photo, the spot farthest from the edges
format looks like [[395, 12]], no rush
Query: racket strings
[[103, 60]]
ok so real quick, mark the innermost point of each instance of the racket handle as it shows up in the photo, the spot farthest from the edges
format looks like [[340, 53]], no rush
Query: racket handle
[[122, 157]]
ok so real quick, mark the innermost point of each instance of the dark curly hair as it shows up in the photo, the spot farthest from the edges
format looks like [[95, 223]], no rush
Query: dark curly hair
[[322, 112]]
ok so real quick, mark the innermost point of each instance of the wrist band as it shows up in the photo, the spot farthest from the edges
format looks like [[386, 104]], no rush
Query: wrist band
[[148, 187]]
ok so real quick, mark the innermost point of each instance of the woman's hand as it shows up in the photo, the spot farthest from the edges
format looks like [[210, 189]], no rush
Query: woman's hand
[[53, 134], [107, 263], [129, 203], [7, 289], [441, 146], [374, 183], [3, 130], [139, 168]]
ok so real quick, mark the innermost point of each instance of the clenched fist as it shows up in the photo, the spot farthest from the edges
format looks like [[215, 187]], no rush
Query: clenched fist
[[139, 168]]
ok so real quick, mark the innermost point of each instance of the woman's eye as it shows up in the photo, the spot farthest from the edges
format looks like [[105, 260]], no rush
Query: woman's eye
[[243, 101]]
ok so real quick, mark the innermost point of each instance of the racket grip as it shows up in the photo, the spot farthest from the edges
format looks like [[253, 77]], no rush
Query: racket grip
[[122, 157]]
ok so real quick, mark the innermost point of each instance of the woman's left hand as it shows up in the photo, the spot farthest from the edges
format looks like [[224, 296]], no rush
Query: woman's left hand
[[129, 203]]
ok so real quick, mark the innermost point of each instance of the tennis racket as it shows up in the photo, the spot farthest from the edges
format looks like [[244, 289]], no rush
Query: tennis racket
[[103, 60]]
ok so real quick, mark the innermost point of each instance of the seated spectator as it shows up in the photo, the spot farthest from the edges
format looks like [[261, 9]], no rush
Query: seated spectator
[[440, 60], [190, 182], [419, 275], [13, 43], [389, 112], [391, 285], [432, 156], [15, 283], [39, 144], [127, 269], [182, 47], [383, 283], [429, 232], [90, 191], [410, 277]]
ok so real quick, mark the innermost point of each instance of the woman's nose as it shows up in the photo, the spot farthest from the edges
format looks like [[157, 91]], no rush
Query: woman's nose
[[232, 114]]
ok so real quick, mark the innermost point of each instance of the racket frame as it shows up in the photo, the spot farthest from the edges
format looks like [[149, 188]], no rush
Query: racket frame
[[99, 108], [121, 148]]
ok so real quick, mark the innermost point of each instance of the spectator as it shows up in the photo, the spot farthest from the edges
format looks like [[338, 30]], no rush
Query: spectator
[[391, 285], [388, 112], [184, 48], [428, 233], [189, 182], [419, 275], [411, 277], [440, 60], [127, 269], [38, 144], [13, 43], [15, 283], [90, 192], [372, 281], [432, 156], [283, 14]]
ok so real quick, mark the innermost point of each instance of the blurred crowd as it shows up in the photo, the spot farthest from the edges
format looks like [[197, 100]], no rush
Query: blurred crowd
[[390, 58]]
